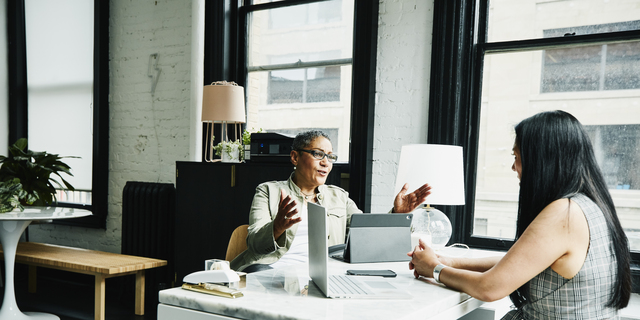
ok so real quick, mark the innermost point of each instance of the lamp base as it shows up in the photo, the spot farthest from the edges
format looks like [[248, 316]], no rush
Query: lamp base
[[415, 236], [432, 226]]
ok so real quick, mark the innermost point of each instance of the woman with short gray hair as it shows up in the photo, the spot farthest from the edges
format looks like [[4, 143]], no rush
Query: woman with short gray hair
[[278, 220]]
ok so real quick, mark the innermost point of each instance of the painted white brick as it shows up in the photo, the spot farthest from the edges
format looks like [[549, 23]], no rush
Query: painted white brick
[[402, 86]]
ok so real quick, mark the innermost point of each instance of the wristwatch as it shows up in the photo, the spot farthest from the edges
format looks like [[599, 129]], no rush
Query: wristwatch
[[436, 272]]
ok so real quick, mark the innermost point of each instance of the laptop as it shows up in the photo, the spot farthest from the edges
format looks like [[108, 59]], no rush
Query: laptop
[[340, 286], [376, 238]]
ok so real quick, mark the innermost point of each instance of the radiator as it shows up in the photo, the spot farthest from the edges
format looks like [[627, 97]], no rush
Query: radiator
[[148, 211]]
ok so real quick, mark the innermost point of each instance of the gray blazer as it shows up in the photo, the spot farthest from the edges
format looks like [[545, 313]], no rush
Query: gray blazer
[[262, 247]]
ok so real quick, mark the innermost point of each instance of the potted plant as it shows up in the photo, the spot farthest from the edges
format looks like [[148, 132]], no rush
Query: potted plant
[[230, 151], [10, 194], [27, 176]]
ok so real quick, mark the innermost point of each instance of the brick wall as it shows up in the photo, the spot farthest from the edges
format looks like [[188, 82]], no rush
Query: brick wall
[[402, 90]]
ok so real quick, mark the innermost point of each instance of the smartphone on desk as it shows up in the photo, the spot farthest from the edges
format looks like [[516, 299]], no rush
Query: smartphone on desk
[[379, 273]]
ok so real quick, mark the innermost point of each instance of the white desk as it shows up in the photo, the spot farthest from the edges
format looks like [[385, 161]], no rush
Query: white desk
[[12, 224], [277, 294]]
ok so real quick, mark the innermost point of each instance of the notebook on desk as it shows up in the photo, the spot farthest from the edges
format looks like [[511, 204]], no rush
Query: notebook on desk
[[340, 286], [376, 238]]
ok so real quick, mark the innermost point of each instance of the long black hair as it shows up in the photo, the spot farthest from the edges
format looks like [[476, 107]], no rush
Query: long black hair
[[558, 162]]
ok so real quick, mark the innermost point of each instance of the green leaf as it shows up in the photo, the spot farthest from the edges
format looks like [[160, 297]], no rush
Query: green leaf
[[67, 184], [30, 198], [53, 181], [33, 170], [21, 143], [64, 168], [10, 192]]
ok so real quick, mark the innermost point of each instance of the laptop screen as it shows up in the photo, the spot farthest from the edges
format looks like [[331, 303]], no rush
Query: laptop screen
[[318, 246]]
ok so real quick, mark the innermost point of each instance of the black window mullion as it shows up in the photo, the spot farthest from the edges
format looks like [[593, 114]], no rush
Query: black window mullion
[[302, 65], [100, 155], [365, 41], [450, 113], [278, 4], [559, 42], [215, 63], [17, 71], [223, 52], [238, 43]]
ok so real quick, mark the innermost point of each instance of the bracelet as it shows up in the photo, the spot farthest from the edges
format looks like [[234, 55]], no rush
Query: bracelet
[[436, 272]]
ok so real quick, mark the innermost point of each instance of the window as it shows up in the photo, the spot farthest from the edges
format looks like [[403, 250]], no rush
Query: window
[[617, 149], [55, 99], [305, 64], [515, 59], [60, 84], [480, 226], [305, 15], [299, 69], [304, 85], [613, 66]]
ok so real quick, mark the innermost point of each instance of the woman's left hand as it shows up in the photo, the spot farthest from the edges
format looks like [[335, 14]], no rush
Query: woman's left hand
[[405, 203], [423, 260]]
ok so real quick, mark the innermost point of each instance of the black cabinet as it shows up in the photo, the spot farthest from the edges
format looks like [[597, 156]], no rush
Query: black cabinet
[[212, 199]]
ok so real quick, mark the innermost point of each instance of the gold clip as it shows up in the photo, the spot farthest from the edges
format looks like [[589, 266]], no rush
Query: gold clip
[[214, 289]]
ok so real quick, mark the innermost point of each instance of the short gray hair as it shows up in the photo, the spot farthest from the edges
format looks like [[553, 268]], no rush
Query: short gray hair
[[304, 139]]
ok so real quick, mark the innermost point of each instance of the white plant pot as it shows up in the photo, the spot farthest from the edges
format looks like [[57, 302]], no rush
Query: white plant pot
[[234, 156]]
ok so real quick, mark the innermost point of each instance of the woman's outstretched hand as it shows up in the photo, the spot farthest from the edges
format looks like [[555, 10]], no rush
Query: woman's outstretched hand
[[286, 210], [405, 203]]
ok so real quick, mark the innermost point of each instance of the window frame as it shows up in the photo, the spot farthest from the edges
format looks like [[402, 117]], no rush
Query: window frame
[[603, 50], [458, 49], [18, 105], [225, 58]]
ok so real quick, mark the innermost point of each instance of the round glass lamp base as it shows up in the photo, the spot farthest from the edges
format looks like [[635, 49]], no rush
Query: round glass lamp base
[[432, 226]]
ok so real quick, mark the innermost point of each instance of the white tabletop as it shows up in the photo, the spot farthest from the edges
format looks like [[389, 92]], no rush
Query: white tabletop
[[12, 224], [279, 293], [44, 213]]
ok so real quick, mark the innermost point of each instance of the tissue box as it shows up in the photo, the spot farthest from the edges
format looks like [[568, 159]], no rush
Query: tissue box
[[216, 264]]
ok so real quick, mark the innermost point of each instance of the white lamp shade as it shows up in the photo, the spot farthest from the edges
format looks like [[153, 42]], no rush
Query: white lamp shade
[[440, 166], [223, 102]]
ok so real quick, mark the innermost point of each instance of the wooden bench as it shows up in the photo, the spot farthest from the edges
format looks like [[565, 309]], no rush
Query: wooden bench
[[100, 264]]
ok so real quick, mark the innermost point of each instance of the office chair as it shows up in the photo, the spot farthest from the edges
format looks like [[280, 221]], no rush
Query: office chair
[[237, 242]]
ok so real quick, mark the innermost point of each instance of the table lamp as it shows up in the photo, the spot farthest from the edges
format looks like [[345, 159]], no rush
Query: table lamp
[[223, 102], [440, 166]]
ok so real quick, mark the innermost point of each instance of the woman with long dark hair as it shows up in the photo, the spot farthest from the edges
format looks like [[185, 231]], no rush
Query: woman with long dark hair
[[571, 257]]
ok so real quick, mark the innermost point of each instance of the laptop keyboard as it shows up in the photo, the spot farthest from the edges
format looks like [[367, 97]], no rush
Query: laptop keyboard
[[342, 284]]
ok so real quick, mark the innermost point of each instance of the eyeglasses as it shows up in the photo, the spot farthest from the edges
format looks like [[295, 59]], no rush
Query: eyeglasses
[[332, 157]]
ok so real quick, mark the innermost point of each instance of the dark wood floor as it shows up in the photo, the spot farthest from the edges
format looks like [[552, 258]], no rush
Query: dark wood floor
[[70, 296]]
